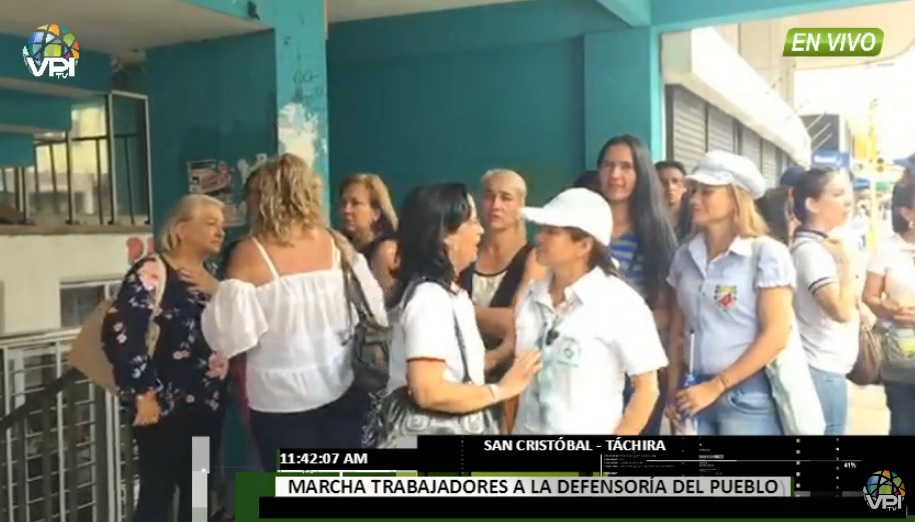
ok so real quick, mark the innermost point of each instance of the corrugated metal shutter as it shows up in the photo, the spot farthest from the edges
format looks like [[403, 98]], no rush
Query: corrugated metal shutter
[[687, 127], [770, 163], [720, 131], [751, 145]]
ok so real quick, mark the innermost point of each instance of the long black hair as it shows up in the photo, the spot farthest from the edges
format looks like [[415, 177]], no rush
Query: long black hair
[[648, 215], [589, 180], [777, 209], [427, 216], [903, 197], [684, 225], [809, 185]]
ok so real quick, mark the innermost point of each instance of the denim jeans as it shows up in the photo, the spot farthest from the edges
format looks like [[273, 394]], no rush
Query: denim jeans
[[745, 409], [832, 390], [900, 399]]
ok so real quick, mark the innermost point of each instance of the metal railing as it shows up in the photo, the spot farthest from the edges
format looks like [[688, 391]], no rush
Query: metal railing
[[66, 454], [98, 179]]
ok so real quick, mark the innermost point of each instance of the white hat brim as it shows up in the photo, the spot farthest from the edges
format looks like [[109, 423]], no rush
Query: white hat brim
[[544, 216], [704, 178]]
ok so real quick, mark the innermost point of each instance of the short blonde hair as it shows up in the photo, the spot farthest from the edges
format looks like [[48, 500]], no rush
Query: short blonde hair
[[287, 200], [379, 197], [750, 222], [185, 210], [516, 179]]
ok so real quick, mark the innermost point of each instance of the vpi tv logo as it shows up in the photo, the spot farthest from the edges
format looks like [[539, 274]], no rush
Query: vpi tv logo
[[884, 490], [52, 51]]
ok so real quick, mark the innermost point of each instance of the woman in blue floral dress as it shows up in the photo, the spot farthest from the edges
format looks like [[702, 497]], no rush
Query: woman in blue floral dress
[[170, 383]]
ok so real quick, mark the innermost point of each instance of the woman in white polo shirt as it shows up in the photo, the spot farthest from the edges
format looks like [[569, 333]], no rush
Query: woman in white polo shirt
[[734, 285], [564, 316], [826, 299], [889, 291]]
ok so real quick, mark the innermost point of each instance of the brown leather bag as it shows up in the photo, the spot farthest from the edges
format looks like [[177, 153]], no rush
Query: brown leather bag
[[866, 370]]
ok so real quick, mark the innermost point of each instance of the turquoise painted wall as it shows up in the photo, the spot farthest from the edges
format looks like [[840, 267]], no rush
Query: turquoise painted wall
[[15, 150], [233, 98], [447, 95], [24, 109], [212, 100]]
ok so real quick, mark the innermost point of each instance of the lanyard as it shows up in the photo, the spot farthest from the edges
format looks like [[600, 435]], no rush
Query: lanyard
[[548, 335]]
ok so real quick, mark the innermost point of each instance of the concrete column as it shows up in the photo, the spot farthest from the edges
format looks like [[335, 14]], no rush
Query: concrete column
[[623, 90], [233, 99]]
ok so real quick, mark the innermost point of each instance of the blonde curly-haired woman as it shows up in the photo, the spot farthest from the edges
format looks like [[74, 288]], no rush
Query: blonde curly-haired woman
[[283, 303]]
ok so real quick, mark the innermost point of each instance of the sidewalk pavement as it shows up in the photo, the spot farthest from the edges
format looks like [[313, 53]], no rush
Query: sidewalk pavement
[[867, 411]]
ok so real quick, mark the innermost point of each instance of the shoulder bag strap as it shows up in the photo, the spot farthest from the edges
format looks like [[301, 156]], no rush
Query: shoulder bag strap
[[355, 295], [152, 329], [508, 287], [160, 289]]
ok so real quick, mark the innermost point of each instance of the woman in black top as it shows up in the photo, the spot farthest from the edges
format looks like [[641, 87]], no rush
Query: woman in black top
[[369, 222], [503, 268]]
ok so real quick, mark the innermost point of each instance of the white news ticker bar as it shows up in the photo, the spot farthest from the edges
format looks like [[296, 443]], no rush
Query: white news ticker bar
[[533, 486]]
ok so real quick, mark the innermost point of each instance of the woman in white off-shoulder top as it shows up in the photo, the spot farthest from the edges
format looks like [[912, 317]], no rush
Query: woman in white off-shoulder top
[[283, 304]]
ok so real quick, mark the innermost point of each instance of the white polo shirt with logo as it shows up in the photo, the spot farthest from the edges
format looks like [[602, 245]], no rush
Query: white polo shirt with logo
[[603, 332]]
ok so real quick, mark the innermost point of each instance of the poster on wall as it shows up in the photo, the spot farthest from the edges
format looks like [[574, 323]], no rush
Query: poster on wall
[[214, 178]]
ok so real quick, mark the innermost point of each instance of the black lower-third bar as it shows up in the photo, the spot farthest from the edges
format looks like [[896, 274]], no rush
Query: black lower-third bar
[[571, 507]]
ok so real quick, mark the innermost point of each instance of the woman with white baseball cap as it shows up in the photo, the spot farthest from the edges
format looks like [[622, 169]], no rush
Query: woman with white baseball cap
[[591, 328], [734, 286]]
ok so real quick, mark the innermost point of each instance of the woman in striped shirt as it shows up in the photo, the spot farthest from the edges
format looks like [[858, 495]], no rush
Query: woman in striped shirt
[[643, 240]]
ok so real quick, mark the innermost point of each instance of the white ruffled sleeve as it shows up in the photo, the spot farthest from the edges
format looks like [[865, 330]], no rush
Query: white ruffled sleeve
[[233, 321], [374, 295]]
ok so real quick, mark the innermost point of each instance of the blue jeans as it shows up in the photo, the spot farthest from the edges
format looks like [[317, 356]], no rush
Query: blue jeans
[[832, 390], [900, 399], [745, 409]]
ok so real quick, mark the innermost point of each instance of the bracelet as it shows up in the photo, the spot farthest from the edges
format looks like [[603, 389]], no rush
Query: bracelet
[[495, 391]]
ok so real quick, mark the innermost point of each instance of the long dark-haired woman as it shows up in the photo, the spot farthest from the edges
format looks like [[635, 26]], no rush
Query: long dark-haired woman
[[827, 294], [643, 240], [436, 328]]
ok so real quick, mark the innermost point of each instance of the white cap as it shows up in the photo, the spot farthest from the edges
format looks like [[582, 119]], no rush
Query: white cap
[[719, 168], [576, 208]]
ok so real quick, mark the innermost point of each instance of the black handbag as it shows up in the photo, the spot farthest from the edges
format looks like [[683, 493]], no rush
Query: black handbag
[[370, 341], [399, 416]]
